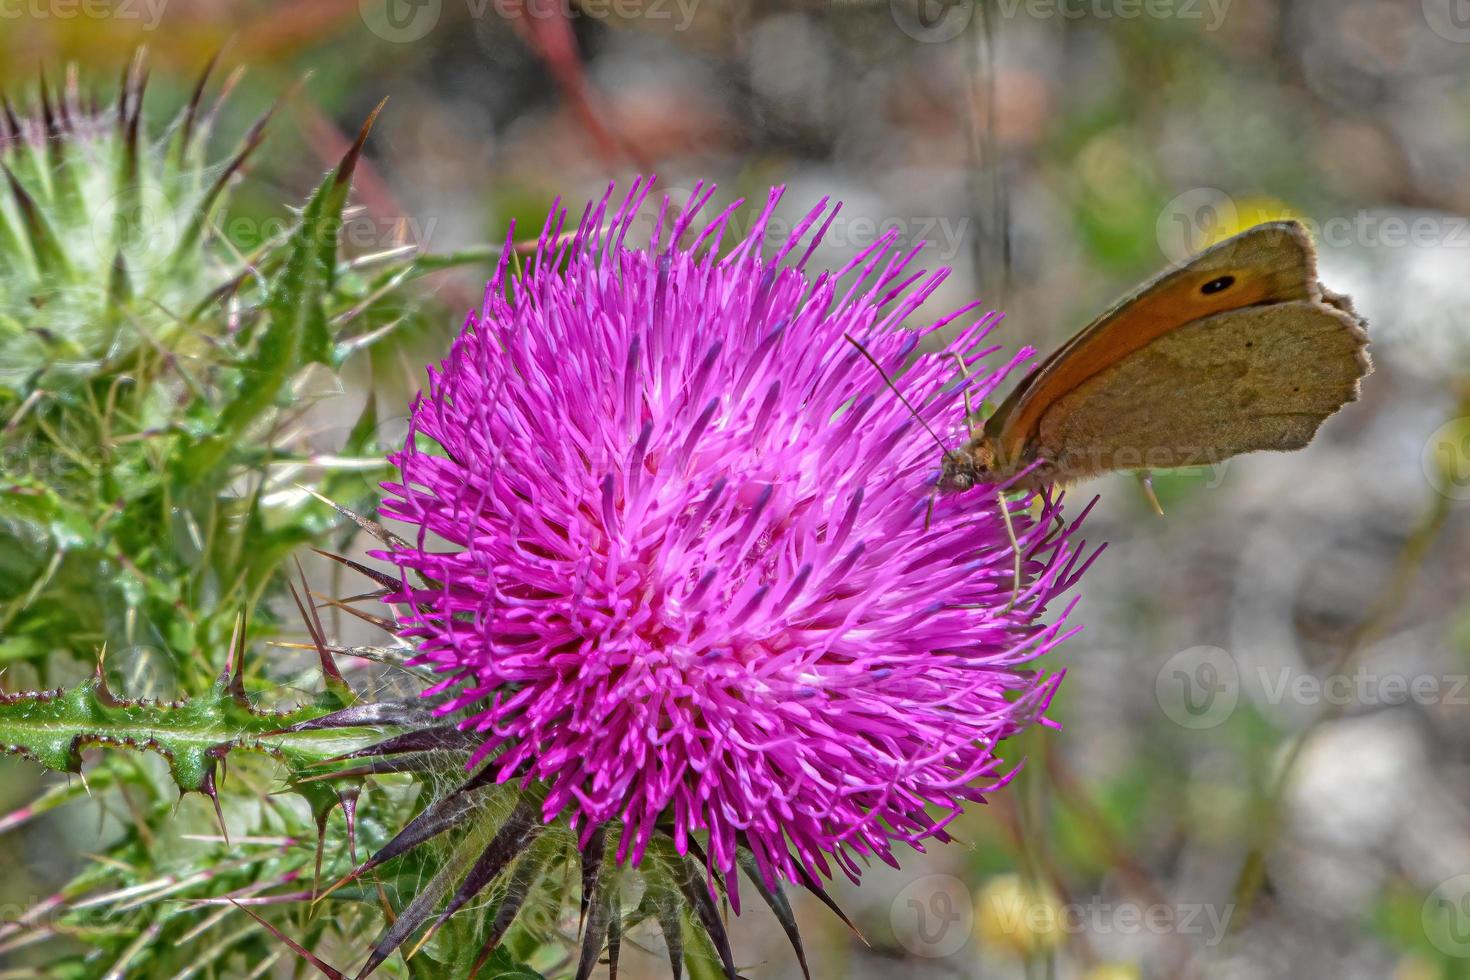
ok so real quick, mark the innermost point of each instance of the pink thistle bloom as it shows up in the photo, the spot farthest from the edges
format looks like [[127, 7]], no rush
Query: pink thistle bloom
[[686, 572]]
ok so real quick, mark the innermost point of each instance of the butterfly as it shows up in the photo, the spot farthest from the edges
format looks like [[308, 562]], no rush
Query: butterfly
[[1236, 350], [1239, 349]]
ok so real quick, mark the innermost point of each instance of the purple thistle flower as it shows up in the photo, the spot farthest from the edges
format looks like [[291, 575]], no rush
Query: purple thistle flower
[[686, 570]]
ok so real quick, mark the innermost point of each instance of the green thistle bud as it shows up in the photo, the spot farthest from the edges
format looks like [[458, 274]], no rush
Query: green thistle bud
[[146, 366], [102, 231]]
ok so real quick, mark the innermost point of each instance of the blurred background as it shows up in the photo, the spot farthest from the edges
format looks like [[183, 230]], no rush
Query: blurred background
[[1263, 761]]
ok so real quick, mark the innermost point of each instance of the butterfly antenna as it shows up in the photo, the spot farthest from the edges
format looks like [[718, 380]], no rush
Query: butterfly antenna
[[906, 403], [969, 409]]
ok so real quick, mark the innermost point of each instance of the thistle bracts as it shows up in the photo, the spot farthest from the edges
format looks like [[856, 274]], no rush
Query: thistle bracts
[[536, 888]]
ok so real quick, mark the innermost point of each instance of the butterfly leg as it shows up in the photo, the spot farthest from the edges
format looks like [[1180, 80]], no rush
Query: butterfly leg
[[1005, 516], [1146, 481]]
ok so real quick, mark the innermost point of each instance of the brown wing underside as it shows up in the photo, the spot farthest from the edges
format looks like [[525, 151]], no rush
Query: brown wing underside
[[1265, 377], [1270, 263]]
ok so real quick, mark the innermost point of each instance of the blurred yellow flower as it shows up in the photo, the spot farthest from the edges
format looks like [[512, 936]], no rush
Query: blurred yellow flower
[[1113, 971], [1014, 914], [1416, 968], [1247, 213]]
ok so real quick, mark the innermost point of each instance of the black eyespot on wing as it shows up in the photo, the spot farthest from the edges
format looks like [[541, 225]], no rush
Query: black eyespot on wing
[[1217, 285]]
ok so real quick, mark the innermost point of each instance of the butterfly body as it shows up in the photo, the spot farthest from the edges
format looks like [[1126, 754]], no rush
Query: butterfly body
[[1240, 349]]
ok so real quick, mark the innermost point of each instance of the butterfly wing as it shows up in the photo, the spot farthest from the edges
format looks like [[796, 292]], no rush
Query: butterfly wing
[[1263, 377], [1270, 263]]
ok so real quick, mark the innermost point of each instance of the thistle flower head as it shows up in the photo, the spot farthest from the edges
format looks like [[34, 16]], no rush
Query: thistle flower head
[[678, 554]]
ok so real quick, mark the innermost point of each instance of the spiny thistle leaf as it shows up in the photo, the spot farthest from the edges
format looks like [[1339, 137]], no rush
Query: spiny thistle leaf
[[52, 728], [441, 815], [700, 897], [296, 331], [598, 902], [198, 224]]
